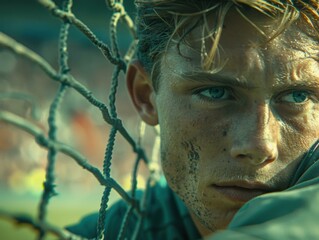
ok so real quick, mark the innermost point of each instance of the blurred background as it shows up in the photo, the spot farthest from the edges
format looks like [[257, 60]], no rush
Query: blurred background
[[26, 91]]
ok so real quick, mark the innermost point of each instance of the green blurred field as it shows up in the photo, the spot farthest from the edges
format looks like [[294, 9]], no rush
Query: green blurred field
[[64, 209]]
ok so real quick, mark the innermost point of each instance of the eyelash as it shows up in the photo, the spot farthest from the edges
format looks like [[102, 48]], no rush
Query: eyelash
[[309, 95], [227, 91]]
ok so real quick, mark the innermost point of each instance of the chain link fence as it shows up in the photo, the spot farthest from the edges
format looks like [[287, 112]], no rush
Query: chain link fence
[[50, 141]]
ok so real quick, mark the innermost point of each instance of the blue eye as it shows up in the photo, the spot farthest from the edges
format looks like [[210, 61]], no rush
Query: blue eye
[[214, 93], [296, 97]]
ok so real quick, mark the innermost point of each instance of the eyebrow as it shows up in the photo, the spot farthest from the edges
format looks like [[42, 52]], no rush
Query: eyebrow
[[199, 76]]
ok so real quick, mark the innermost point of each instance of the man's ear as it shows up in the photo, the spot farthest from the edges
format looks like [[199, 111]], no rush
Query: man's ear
[[142, 92]]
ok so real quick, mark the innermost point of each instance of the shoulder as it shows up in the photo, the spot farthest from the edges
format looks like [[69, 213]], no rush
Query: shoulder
[[162, 212], [87, 226]]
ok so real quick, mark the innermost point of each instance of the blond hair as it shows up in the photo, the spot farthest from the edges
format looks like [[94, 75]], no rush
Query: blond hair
[[161, 21]]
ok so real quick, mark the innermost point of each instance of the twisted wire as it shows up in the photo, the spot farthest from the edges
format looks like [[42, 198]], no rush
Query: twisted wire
[[125, 222], [113, 25], [66, 81], [130, 209], [117, 13], [49, 185], [83, 28]]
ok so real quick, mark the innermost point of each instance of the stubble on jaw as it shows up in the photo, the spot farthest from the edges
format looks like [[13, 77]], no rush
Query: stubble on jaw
[[205, 219]]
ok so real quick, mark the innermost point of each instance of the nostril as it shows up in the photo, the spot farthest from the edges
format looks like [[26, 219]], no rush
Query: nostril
[[243, 156], [270, 159], [254, 159]]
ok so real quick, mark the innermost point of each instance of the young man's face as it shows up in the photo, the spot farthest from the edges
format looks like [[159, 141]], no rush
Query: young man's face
[[230, 136]]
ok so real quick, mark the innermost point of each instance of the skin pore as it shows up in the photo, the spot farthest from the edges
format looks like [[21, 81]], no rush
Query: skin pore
[[231, 135]]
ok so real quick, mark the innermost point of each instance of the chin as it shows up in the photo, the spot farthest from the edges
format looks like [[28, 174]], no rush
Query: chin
[[211, 221]]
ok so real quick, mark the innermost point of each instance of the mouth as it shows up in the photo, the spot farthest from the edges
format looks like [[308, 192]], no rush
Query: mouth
[[241, 191]]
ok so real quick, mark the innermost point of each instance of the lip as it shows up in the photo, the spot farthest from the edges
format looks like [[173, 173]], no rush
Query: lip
[[241, 191]]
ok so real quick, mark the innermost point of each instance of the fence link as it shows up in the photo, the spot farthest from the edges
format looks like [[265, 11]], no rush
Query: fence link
[[50, 141]]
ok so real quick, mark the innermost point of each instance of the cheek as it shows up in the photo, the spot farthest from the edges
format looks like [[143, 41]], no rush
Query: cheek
[[180, 164], [299, 133], [188, 146], [180, 159]]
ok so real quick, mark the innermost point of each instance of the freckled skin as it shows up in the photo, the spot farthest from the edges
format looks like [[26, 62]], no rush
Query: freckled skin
[[257, 131], [252, 137]]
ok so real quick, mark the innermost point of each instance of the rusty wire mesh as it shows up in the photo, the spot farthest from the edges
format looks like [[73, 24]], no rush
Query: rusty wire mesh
[[50, 141]]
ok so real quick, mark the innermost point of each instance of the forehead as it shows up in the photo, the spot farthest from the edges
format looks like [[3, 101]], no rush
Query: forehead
[[250, 34], [260, 33]]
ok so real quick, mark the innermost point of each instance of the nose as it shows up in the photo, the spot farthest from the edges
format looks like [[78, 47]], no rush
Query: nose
[[255, 136]]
